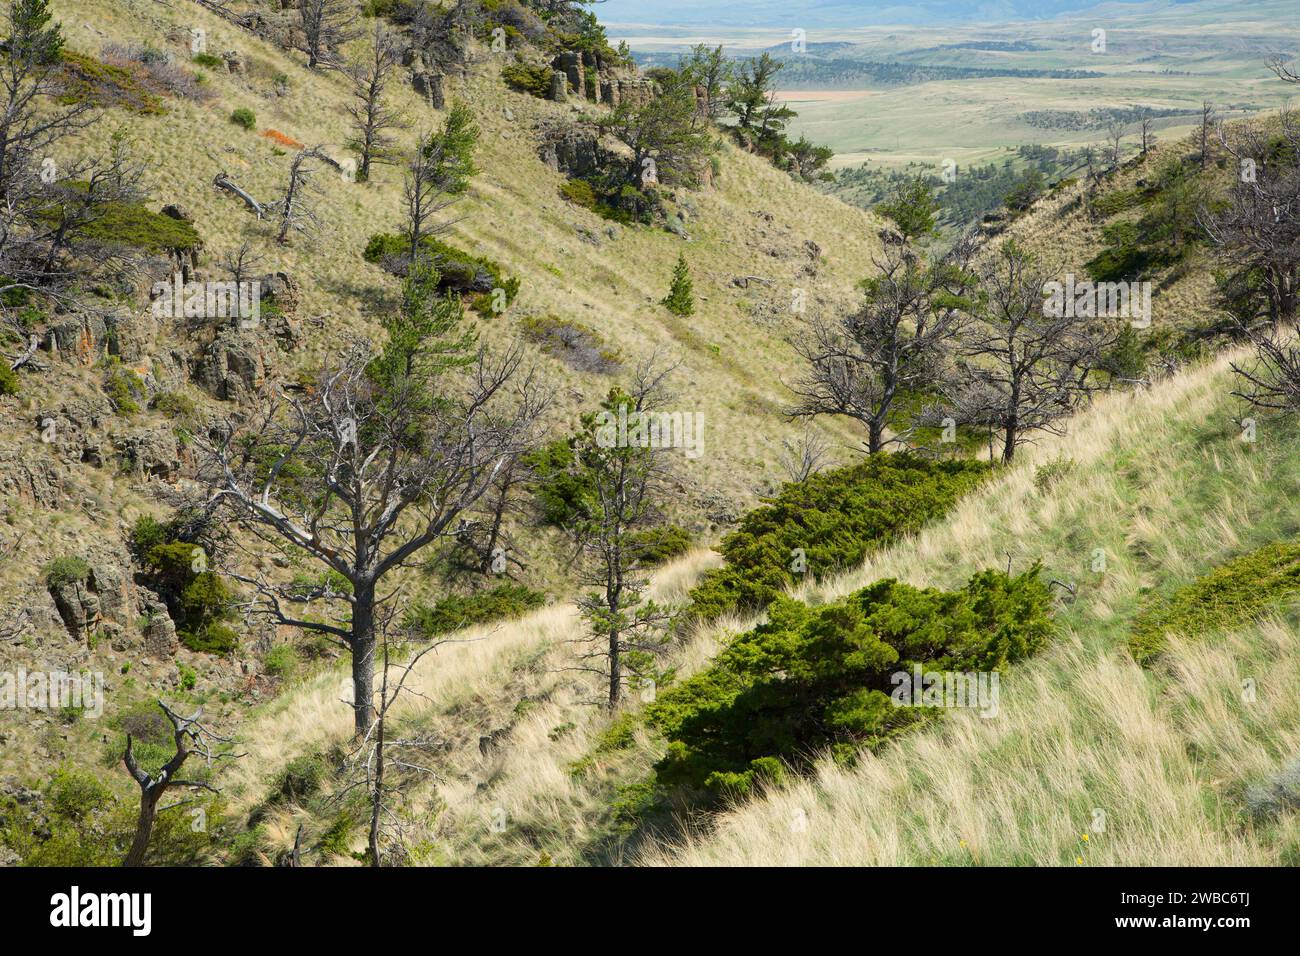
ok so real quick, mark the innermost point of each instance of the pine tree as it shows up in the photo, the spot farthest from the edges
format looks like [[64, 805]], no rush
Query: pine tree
[[680, 299]]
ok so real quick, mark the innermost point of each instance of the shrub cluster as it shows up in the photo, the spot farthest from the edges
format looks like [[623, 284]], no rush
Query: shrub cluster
[[1230, 596], [127, 85], [458, 271], [197, 599], [79, 822], [812, 679], [577, 345], [457, 611], [826, 523], [525, 78]]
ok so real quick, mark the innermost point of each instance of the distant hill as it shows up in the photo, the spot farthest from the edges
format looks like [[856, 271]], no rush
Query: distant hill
[[821, 13]]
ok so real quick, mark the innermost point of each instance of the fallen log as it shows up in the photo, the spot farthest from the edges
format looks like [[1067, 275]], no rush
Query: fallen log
[[225, 182]]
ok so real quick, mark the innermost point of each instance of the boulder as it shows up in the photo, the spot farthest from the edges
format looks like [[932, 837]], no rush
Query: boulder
[[78, 606], [112, 584]]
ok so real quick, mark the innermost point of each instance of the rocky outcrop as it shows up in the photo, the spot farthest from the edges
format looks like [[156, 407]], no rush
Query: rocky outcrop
[[431, 86], [590, 76], [77, 338], [235, 366], [78, 606], [103, 600], [159, 632], [31, 479], [577, 149], [150, 452]]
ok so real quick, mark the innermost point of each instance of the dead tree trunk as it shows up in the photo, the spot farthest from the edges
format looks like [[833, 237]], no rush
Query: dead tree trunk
[[190, 737]]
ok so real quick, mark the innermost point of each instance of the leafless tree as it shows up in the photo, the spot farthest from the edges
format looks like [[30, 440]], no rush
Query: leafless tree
[[1273, 380], [1207, 125], [1280, 66], [1024, 368], [1258, 228], [296, 209], [372, 119], [382, 764], [1147, 132], [326, 26], [377, 462], [860, 364], [242, 262], [805, 456], [1114, 142], [486, 536], [628, 480], [190, 738]]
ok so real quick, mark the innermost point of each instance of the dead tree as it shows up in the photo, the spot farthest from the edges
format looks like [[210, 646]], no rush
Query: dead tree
[[296, 210], [1273, 381], [860, 364], [326, 26], [805, 456], [1025, 368], [384, 764], [1207, 123], [241, 263], [190, 738], [1258, 228], [1114, 141], [372, 119], [486, 538], [376, 463], [223, 181], [1146, 129], [1279, 65]]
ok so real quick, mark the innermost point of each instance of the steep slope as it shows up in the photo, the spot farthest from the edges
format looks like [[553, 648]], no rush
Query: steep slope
[[1152, 765], [78, 495]]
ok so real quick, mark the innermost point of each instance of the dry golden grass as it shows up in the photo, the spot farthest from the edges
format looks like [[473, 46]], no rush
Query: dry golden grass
[[1151, 765], [753, 223]]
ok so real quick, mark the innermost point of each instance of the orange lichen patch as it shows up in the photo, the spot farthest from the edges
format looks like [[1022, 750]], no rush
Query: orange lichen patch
[[282, 139], [86, 347]]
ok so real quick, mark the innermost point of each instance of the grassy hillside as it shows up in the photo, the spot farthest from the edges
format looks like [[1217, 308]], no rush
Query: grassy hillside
[[734, 354], [1093, 759], [1159, 480], [1151, 764], [755, 222]]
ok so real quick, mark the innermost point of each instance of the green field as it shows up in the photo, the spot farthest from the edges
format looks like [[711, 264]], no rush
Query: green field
[[1169, 60]]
